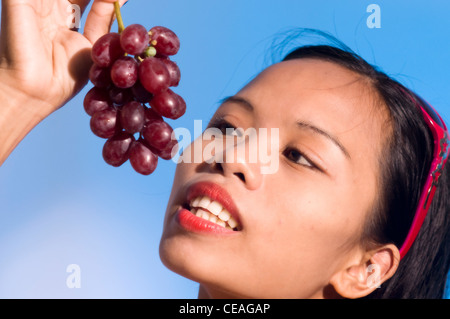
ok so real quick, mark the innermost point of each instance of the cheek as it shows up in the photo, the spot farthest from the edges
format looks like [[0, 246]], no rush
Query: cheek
[[316, 221]]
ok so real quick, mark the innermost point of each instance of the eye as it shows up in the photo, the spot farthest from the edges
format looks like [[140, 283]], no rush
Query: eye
[[225, 127], [297, 157]]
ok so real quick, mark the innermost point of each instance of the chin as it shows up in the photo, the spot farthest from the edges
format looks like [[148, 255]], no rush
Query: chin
[[187, 258], [179, 254]]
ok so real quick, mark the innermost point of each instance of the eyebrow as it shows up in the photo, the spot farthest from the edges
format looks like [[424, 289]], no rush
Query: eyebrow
[[239, 100], [300, 124], [330, 137]]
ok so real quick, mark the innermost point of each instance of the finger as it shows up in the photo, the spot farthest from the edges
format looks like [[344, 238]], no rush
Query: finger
[[100, 19], [81, 3]]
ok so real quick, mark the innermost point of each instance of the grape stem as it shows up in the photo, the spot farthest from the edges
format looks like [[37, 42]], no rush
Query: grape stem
[[119, 16]]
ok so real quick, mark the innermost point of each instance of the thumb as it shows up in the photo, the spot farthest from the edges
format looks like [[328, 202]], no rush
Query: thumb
[[100, 18]]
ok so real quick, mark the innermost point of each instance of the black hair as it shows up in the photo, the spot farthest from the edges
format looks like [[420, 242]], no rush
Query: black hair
[[404, 165]]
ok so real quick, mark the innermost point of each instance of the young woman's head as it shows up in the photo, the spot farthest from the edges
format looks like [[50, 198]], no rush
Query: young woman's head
[[353, 153]]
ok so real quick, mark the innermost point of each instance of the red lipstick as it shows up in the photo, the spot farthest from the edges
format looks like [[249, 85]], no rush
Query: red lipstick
[[197, 224]]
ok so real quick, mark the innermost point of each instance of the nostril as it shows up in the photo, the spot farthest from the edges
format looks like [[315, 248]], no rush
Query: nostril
[[218, 167], [241, 176]]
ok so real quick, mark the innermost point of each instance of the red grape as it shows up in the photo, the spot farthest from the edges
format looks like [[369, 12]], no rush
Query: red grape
[[140, 93], [124, 72], [96, 99], [174, 71], [116, 149], [182, 106], [164, 40], [100, 77], [157, 134], [104, 123], [132, 117], [107, 49], [134, 39], [152, 115], [154, 75], [142, 159], [169, 104], [169, 151], [120, 96]]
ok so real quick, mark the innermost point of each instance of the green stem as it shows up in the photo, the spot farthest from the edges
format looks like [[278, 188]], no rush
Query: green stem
[[119, 16]]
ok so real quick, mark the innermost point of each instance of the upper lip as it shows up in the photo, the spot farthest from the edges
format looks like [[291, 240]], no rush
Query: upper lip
[[215, 193]]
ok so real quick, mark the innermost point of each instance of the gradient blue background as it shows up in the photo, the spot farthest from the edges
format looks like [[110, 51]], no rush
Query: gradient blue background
[[61, 204]]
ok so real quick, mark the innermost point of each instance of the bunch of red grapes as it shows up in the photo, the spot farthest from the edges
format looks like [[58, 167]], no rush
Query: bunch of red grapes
[[132, 76]]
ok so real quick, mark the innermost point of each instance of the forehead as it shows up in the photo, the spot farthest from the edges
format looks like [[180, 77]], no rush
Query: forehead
[[298, 81]]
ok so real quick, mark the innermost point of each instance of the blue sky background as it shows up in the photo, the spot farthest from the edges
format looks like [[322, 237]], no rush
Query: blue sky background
[[61, 204]]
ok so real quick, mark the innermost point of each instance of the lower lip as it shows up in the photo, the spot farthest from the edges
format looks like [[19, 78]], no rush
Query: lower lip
[[196, 224]]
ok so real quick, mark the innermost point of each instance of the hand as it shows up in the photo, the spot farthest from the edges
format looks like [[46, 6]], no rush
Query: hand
[[43, 64], [40, 57]]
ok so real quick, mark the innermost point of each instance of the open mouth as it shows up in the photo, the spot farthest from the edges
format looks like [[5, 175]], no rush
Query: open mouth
[[212, 211]]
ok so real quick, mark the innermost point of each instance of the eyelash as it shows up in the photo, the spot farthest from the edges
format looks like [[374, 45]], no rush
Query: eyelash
[[309, 163], [223, 124]]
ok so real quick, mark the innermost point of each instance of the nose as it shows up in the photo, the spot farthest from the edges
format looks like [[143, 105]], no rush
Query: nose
[[237, 161]]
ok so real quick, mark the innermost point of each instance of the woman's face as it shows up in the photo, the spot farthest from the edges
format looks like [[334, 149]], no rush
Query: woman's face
[[299, 224]]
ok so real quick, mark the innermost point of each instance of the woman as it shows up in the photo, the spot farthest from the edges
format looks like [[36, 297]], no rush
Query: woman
[[349, 134], [331, 222]]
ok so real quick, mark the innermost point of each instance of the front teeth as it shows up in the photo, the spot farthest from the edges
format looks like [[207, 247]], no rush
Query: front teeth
[[204, 202], [224, 215], [215, 208], [213, 211]]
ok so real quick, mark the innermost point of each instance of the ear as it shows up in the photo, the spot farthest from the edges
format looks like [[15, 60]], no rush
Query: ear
[[366, 273]]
